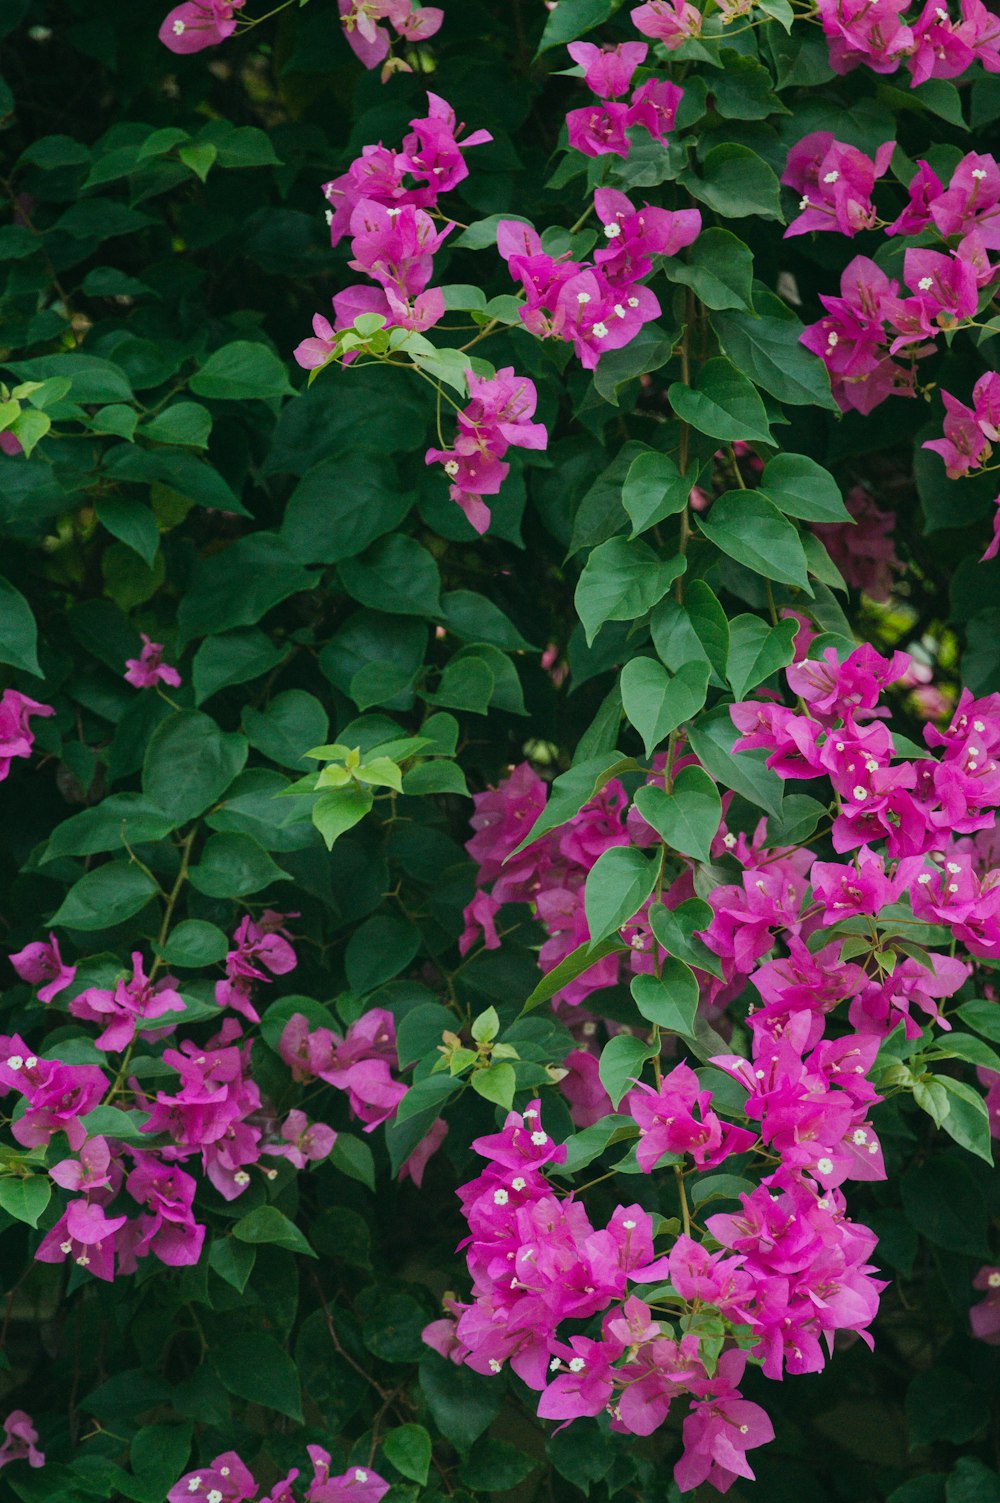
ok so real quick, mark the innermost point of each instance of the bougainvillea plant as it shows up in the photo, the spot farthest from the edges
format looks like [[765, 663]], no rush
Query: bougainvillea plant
[[500, 751]]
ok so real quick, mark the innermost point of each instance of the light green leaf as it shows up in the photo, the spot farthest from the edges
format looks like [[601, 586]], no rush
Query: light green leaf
[[618, 884], [657, 703]]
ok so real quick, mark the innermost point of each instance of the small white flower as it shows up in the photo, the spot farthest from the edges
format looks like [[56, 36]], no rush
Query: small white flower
[[952, 886], [495, 1366], [978, 173], [831, 177], [804, 201], [178, 28], [924, 878], [241, 1178], [360, 1475], [925, 284], [619, 311], [600, 331], [977, 725], [825, 1166], [519, 1183], [328, 215], [193, 1484], [539, 1138], [500, 1197], [832, 340], [953, 867], [873, 1148], [859, 1136], [16, 1062], [30, 1062], [993, 1280], [83, 1261], [576, 1364], [214, 1496], [633, 302], [66, 1248], [612, 231], [530, 1112], [728, 840], [860, 793], [629, 1226], [583, 297], [555, 1365], [451, 467]]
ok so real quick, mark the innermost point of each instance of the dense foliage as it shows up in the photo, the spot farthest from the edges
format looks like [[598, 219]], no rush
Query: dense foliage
[[500, 700]]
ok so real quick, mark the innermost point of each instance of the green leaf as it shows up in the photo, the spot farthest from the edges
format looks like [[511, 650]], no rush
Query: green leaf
[[239, 584], [736, 183], [108, 895], [570, 19], [25, 1199], [654, 488], [200, 156], [342, 505], [242, 370], [621, 581], [572, 965], [462, 1402], [106, 827], [408, 1449], [983, 1016], [800, 487], [712, 739], [767, 347], [475, 618], [622, 1059], [618, 884], [267, 1224], [190, 763], [495, 1466], [254, 1367], [722, 403], [182, 423], [18, 632], [116, 419], [353, 1157], [757, 650], [688, 817], [396, 575], [378, 950], [335, 813], [968, 1121], [720, 270], [112, 1122], [233, 866], [131, 522], [698, 628], [751, 529], [291, 723], [233, 658], [572, 789], [435, 777], [676, 929], [194, 943], [496, 1084], [657, 703], [671, 999], [233, 1261]]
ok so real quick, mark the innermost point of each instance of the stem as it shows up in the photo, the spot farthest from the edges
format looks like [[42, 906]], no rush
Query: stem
[[685, 1213]]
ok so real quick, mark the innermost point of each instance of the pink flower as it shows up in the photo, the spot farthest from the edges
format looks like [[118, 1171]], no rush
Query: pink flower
[[836, 182], [226, 1477], [197, 24], [984, 1318], [865, 31], [635, 236], [20, 1437], [357, 1485], [303, 1141], [41, 961], [85, 1234], [497, 416], [130, 1006], [720, 1430], [670, 22], [370, 41], [668, 1124], [261, 949], [608, 70], [16, 738], [415, 1163], [149, 668]]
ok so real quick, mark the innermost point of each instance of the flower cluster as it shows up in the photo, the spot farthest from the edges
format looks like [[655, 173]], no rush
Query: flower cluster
[[149, 669], [127, 1201], [601, 129], [498, 415], [229, 1480], [369, 37], [934, 45], [870, 324], [359, 1063], [196, 24], [385, 201], [600, 305]]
